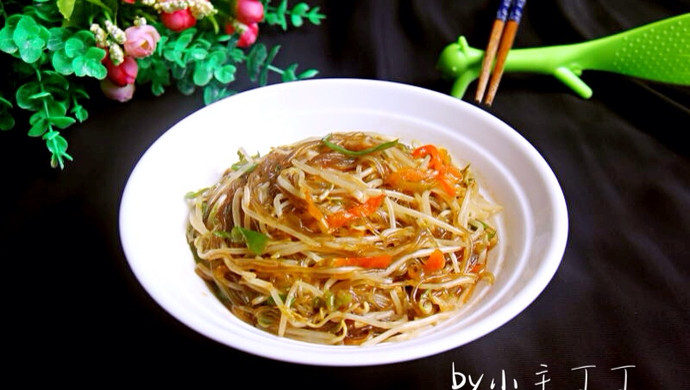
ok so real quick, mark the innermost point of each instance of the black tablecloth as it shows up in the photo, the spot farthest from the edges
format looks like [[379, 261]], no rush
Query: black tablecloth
[[616, 308]]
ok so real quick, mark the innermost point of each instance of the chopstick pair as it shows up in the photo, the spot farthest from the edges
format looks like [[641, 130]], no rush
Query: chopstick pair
[[500, 42]]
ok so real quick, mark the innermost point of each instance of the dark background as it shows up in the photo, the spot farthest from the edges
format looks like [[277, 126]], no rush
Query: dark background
[[75, 314]]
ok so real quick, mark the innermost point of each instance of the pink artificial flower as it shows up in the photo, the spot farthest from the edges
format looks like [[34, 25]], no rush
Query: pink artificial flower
[[115, 92], [123, 74], [178, 20], [249, 11], [141, 40], [248, 32]]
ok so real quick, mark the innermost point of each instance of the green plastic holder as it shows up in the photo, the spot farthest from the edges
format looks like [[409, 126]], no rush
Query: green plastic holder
[[659, 51]]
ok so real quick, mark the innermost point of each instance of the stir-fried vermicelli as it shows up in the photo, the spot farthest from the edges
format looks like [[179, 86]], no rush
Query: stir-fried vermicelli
[[354, 238]]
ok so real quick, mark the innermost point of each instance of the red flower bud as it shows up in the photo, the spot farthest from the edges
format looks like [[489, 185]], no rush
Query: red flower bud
[[249, 11], [248, 32], [123, 74], [178, 20]]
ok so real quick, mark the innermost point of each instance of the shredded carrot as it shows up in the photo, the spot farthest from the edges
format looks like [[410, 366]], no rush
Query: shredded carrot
[[380, 261], [429, 150], [314, 211], [440, 162], [360, 210], [411, 179], [435, 262]]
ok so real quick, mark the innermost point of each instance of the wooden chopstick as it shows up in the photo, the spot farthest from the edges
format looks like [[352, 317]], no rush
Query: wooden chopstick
[[492, 47], [502, 36]]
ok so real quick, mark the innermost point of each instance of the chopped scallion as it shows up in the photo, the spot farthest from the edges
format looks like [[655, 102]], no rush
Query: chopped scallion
[[362, 152]]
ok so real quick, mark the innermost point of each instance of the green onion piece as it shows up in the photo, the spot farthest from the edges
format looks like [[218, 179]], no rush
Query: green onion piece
[[243, 162], [194, 194], [224, 234], [362, 152], [490, 231], [256, 242]]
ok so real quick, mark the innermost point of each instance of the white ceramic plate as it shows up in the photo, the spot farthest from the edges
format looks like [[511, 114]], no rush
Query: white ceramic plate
[[194, 153]]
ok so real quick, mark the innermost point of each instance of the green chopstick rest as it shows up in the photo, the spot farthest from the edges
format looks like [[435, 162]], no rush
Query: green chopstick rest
[[659, 51]]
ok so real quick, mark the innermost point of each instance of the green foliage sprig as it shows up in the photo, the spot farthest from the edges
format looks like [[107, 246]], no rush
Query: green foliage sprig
[[196, 59], [51, 53], [282, 13]]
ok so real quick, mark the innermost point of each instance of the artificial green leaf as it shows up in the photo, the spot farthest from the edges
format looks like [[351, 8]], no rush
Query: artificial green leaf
[[145, 63], [89, 65], [271, 18], [26, 28], [86, 37], [80, 66], [30, 38], [57, 38], [95, 53], [39, 125], [217, 57], [162, 73], [74, 47], [80, 112], [280, 14], [162, 45], [213, 92], [31, 50], [109, 5], [78, 92], [184, 39], [54, 80], [61, 63], [202, 74], [6, 121], [282, 7], [96, 70], [157, 89], [93, 67], [225, 74], [61, 122], [24, 93], [40, 95], [263, 75], [66, 8], [202, 43], [13, 20], [296, 20], [37, 117], [309, 73], [179, 72], [55, 107], [7, 39], [300, 8], [57, 143], [197, 53], [185, 87], [173, 55], [314, 16], [44, 10], [256, 57], [57, 146], [289, 73], [236, 54]]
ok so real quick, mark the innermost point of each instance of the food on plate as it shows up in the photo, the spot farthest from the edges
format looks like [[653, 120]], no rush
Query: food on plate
[[351, 239]]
